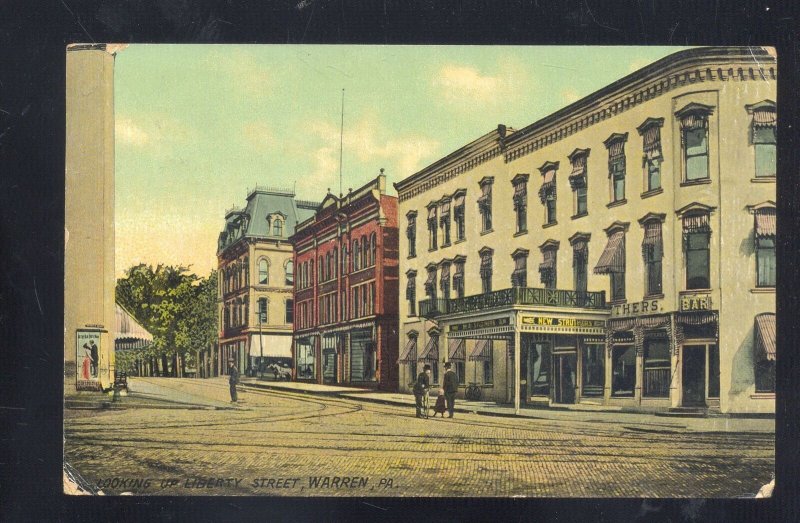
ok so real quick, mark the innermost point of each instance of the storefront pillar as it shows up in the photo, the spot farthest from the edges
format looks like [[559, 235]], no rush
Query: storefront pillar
[[517, 360]]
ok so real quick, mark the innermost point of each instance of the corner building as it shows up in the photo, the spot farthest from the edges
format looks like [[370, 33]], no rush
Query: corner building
[[346, 290], [620, 251], [256, 281]]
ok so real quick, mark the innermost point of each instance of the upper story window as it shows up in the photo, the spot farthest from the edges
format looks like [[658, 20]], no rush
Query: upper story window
[[486, 269], [289, 272], [694, 141], [763, 136], [321, 269], [580, 260], [430, 283], [765, 229], [547, 192], [262, 310], [578, 180], [289, 312], [356, 255], [365, 252], [458, 214], [548, 272], [310, 279], [616, 165], [520, 184], [612, 260], [458, 275], [373, 249], [432, 229], [652, 253], [335, 259], [650, 131], [411, 233], [343, 263], [519, 276], [263, 271], [444, 220], [485, 203], [696, 247], [411, 292], [444, 279], [277, 227]]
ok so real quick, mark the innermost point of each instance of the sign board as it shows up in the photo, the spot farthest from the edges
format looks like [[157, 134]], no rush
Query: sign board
[[695, 302], [633, 309], [87, 360], [482, 324]]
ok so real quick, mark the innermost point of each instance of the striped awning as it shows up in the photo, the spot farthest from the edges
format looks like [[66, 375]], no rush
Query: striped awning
[[456, 349], [765, 117], [129, 333], [616, 149], [766, 225], [548, 261], [694, 120], [613, 257], [548, 185], [696, 223], [651, 140], [652, 239], [577, 177], [580, 252], [431, 350], [409, 351], [482, 351], [765, 336]]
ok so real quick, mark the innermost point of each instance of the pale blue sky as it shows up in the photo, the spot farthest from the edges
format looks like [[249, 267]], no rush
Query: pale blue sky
[[197, 125]]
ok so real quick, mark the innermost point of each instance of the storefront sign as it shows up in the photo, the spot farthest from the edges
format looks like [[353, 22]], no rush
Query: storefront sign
[[550, 321], [632, 309], [696, 302], [482, 324]]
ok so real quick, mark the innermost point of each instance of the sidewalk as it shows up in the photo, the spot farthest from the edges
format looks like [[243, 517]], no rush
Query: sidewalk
[[585, 413], [144, 394]]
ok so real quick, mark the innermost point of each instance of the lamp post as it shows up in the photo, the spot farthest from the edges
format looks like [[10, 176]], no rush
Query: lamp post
[[260, 342]]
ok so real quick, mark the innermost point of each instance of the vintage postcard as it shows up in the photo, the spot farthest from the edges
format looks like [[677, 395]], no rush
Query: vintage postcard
[[405, 271]]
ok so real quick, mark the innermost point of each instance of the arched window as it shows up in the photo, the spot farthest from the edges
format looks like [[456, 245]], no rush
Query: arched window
[[277, 227], [263, 271], [246, 268], [222, 288], [320, 269], [289, 272], [365, 250], [328, 266], [373, 244], [344, 259], [335, 262], [356, 255], [310, 272]]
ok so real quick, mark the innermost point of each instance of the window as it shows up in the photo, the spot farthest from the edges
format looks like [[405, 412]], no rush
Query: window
[[763, 134], [458, 214], [488, 363], [432, 229], [461, 371], [547, 192], [623, 370], [694, 141], [486, 269], [547, 269], [305, 359], [289, 273], [764, 352], [262, 310], [411, 292], [458, 276], [289, 313], [519, 276], [430, 283], [335, 259], [444, 221], [277, 227], [444, 280], [485, 203], [540, 369], [411, 233], [343, 263], [310, 272], [616, 165], [612, 260], [373, 249], [364, 252], [696, 236], [578, 180], [580, 261], [652, 254], [650, 132], [520, 184], [656, 364], [593, 371], [765, 261], [263, 271], [356, 255]]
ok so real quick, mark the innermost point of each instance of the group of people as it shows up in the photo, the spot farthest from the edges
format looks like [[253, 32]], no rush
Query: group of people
[[447, 394]]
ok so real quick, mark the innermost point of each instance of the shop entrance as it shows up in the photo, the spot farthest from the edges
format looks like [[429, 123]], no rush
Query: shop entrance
[[694, 375], [564, 374], [535, 368]]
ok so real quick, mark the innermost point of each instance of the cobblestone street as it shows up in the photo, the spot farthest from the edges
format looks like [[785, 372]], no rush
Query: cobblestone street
[[279, 443]]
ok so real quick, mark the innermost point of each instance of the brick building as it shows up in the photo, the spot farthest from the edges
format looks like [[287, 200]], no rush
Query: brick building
[[346, 290]]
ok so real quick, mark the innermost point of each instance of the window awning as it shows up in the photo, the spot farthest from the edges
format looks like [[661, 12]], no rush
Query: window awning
[[766, 225], [694, 121], [580, 252], [411, 287], [456, 349], [764, 118], [765, 336], [613, 257], [548, 262], [482, 351], [651, 141], [458, 200], [129, 333], [274, 346], [652, 238], [696, 223], [548, 185], [445, 277], [431, 350], [409, 351]]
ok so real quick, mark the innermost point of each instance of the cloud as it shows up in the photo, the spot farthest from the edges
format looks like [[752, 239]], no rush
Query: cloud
[[242, 68], [151, 130], [258, 134], [569, 95], [465, 86], [129, 132]]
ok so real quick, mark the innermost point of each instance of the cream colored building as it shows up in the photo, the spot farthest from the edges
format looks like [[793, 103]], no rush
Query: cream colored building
[[624, 243]]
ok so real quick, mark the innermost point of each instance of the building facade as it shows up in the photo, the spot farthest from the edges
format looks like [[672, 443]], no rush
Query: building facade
[[620, 251], [256, 282], [346, 290]]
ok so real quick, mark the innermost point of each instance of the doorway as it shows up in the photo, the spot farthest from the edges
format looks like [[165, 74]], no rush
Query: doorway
[[564, 373], [694, 375]]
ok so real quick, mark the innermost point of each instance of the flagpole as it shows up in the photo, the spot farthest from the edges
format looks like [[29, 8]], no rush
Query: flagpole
[[341, 142]]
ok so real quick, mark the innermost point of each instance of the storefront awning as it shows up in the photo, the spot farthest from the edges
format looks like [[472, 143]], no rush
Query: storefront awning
[[765, 336], [456, 350], [482, 351], [431, 351], [129, 333], [613, 257], [766, 224], [274, 346], [409, 351]]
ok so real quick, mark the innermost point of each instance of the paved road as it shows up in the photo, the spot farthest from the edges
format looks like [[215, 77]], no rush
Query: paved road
[[296, 444]]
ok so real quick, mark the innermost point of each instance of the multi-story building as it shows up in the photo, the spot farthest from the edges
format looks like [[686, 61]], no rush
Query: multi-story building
[[346, 290], [620, 251], [256, 280]]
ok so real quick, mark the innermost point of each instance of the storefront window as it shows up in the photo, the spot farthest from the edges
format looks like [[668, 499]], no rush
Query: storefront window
[[656, 378], [593, 371], [540, 370], [305, 360], [462, 372], [713, 371], [623, 370]]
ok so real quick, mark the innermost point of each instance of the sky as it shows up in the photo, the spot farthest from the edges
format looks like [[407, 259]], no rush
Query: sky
[[197, 126]]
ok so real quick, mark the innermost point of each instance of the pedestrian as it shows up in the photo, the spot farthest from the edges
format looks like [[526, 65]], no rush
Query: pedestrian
[[233, 379], [450, 386], [421, 387]]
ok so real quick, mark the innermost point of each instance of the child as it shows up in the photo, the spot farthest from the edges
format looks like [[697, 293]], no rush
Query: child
[[440, 407]]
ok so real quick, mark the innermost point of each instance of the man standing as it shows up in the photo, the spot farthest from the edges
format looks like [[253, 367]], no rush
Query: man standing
[[450, 387], [233, 379], [421, 387]]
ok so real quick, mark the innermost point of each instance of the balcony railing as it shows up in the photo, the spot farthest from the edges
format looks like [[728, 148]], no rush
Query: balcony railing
[[431, 308]]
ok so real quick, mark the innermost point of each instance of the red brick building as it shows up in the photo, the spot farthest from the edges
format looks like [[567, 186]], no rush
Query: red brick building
[[346, 290]]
